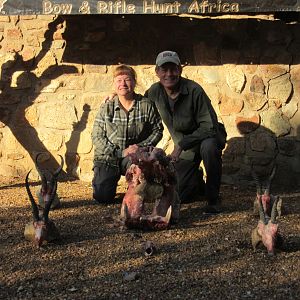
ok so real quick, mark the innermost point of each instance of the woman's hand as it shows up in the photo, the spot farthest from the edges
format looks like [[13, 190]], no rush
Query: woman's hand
[[109, 97], [130, 150]]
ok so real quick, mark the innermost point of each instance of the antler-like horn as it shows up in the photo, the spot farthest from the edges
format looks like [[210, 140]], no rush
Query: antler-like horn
[[270, 179], [42, 175], [35, 210], [56, 173], [257, 183], [274, 211], [48, 204], [262, 215]]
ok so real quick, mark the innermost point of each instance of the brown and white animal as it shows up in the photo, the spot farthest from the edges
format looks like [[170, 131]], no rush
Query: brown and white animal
[[41, 229], [151, 178], [47, 185], [266, 231], [263, 192]]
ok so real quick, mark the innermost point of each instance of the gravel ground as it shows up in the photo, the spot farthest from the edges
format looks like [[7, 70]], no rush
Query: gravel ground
[[199, 258]]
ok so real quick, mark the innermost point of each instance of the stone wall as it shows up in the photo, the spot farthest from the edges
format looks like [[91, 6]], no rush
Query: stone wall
[[55, 72]]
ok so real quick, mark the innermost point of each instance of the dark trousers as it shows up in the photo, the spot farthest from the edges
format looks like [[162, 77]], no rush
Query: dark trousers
[[190, 178], [105, 180]]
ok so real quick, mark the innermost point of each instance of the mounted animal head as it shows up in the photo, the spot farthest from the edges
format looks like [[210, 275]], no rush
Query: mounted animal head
[[47, 185], [150, 178], [267, 227], [263, 190], [146, 222], [41, 223], [155, 165]]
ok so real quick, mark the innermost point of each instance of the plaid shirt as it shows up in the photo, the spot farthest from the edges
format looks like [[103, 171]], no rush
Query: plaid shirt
[[114, 129]]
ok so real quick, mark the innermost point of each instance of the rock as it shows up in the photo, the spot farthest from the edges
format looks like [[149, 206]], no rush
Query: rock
[[130, 276]]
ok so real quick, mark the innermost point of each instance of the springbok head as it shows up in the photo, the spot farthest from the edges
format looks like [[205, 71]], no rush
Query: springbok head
[[40, 219], [267, 226]]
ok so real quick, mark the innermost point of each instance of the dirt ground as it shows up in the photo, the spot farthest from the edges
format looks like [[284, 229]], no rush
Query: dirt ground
[[200, 258]]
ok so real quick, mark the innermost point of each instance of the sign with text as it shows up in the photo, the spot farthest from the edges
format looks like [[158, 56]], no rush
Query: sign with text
[[200, 7]]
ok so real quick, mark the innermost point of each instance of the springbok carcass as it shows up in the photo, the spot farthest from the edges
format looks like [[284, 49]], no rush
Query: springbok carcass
[[41, 228], [263, 193], [151, 178], [266, 231], [47, 185]]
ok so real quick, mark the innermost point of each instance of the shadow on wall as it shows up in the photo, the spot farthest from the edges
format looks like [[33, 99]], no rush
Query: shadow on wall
[[23, 131], [72, 157], [260, 149]]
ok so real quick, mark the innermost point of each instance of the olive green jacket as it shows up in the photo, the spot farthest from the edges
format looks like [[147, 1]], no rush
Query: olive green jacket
[[193, 119]]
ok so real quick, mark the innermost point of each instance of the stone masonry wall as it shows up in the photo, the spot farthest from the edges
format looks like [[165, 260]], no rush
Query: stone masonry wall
[[55, 72]]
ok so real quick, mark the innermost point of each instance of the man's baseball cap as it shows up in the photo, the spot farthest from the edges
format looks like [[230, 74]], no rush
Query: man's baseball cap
[[167, 57]]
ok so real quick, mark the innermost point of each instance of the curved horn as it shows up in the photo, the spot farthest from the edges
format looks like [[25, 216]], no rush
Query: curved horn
[[271, 178], [262, 215], [124, 212], [257, 183], [48, 204], [56, 173], [168, 215], [35, 210], [42, 175], [274, 211], [52, 188]]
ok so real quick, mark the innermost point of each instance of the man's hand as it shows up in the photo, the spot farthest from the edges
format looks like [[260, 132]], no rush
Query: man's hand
[[176, 153], [130, 150]]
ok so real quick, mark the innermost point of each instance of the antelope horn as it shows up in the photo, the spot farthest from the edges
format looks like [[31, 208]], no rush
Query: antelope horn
[[42, 175], [35, 210], [56, 173], [271, 178], [168, 215], [48, 204], [274, 212], [53, 180], [262, 216], [257, 183], [124, 212]]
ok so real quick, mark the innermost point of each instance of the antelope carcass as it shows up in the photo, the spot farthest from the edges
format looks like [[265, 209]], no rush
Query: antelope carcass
[[41, 229], [266, 231], [47, 185], [263, 193], [151, 178]]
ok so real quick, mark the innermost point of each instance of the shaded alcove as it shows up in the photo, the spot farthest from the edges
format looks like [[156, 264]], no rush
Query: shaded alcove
[[136, 39]]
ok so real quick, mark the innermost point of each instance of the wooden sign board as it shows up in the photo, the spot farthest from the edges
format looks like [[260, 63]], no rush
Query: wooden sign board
[[69, 7]]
